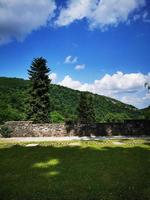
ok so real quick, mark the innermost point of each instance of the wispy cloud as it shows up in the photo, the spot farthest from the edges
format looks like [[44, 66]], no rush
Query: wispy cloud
[[80, 67], [71, 59], [99, 14]]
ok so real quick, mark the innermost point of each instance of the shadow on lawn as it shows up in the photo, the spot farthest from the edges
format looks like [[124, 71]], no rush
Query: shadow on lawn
[[50, 172]]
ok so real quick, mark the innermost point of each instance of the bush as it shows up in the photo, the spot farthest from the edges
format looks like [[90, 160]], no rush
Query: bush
[[5, 131], [56, 117], [115, 117], [147, 115]]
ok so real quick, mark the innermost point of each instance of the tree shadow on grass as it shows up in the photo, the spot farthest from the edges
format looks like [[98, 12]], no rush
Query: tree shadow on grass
[[147, 143], [71, 173]]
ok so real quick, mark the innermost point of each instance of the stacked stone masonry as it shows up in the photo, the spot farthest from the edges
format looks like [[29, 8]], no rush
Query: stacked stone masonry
[[129, 127]]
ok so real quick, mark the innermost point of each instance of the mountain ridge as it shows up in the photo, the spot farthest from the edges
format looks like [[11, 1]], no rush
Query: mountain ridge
[[63, 100]]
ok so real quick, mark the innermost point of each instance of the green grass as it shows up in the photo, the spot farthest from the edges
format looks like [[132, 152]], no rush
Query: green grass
[[92, 170]]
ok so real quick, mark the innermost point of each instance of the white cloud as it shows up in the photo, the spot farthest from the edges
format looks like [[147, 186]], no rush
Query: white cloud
[[69, 82], [137, 101], [76, 10], [124, 87], [145, 14], [19, 18], [71, 59], [99, 14], [80, 67], [146, 17], [113, 12], [53, 77], [136, 17]]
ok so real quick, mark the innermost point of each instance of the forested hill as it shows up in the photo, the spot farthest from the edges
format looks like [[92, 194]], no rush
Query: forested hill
[[146, 112], [64, 101]]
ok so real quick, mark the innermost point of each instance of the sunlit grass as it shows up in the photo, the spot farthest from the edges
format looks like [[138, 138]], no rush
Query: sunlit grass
[[46, 164], [86, 170]]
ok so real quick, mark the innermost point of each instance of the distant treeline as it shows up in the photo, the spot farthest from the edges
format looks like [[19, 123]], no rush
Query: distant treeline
[[63, 101]]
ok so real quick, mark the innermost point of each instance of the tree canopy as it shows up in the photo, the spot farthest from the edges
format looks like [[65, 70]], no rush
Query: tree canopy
[[86, 112], [14, 95], [39, 100]]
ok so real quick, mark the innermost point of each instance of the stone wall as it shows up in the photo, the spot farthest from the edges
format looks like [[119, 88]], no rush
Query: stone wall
[[28, 129], [129, 127]]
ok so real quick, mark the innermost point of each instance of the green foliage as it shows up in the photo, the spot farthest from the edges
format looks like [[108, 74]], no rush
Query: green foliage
[[118, 117], [56, 117], [146, 113], [86, 112], [39, 101], [7, 113], [12, 99], [5, 131], [14, 95], [16, 83], [83, 170]]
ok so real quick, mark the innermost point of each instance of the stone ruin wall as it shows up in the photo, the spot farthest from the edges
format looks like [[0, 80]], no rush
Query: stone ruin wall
[[129, 127]]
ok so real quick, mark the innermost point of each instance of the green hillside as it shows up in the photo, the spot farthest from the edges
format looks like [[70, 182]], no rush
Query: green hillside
[[64, 101], [146, 112]]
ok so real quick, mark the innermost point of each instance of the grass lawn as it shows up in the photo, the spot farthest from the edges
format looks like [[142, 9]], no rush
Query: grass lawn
[[87, 170]]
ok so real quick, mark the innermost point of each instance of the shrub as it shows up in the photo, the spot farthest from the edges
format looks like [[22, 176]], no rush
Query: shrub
[[147, 115], [5, 131], [56, 117], [116, 117]]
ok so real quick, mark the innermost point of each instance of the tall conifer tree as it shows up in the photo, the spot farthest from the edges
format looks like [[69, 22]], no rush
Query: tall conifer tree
[[39, 101], [86, 112]]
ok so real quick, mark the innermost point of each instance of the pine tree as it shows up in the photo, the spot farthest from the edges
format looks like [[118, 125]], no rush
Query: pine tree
[[91, 109], [39, 101], [86, 112]]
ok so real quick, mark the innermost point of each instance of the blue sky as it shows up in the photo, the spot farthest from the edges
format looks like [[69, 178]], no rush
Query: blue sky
[[100, 46]]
